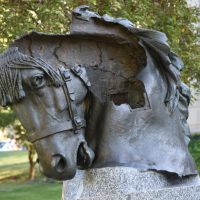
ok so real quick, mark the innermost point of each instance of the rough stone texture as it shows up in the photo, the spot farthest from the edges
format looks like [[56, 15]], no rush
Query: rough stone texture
[[124, 183]]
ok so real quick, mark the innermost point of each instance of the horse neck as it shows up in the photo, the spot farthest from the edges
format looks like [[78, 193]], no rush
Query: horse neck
[[110, 127]]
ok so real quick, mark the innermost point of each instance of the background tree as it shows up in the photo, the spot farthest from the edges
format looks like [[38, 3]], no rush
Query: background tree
[[173, 17], [15, 130], [20, 135]]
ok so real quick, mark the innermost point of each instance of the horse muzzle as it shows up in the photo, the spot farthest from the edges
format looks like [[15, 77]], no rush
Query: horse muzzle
[[59, 168], [60, 155]]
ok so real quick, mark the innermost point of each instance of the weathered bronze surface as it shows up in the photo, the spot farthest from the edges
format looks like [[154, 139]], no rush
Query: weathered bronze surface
[[107, 94]]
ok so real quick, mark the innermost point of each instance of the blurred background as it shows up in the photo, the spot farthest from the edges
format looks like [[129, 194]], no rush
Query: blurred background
[[179, 19]]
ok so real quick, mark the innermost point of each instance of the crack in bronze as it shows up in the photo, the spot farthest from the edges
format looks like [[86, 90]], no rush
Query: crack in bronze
[[57, 56]]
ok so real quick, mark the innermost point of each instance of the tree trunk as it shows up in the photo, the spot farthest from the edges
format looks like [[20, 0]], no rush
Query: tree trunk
[[32, 163]]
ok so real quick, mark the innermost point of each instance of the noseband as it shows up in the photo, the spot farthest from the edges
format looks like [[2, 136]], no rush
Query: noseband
[[75, 123]]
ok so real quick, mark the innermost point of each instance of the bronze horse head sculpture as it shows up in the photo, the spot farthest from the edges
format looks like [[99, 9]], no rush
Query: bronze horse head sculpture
[[50, 104], [107, 94]]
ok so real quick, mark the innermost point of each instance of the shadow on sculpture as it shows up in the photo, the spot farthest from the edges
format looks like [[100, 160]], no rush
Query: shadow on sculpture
[[107, 94]]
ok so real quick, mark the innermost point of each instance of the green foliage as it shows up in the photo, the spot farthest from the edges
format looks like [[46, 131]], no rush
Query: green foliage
[[20, 133], [194, 148], [173, 17], [6, 117]]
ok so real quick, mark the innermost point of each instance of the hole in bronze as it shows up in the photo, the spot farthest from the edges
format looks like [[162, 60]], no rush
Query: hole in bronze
[[119, 99], [136, 101], [135, 95]]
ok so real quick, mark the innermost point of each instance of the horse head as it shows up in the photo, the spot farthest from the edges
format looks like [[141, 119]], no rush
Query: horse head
[[51, 105], [137, 108]]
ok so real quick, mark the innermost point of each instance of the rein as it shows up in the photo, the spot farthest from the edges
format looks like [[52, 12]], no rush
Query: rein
[[75, 122]]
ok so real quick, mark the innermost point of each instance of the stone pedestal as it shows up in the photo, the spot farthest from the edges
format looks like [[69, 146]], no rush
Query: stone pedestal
[[124, 183]]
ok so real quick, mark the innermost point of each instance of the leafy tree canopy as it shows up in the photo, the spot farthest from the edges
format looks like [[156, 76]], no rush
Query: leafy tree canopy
[[6, 117], [173, 17]]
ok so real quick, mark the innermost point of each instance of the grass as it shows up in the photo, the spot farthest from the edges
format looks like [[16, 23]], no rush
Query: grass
[[14, 184], [30, 191], [13, 166], [194, 148]]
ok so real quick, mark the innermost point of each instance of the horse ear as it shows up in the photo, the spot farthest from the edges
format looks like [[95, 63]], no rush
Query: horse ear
[[85, 156]]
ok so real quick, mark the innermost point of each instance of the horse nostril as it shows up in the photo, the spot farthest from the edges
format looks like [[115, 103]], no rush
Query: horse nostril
[[59, 163]]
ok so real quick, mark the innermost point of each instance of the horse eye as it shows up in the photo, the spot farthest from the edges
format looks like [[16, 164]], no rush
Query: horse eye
[[37, 81]]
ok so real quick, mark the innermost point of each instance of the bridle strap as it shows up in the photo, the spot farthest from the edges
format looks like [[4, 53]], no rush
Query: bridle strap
[[81, 73], [75, 123], [70, 97], [67, 125]]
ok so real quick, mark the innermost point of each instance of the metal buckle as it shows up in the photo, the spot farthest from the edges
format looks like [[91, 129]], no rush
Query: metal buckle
[[77, 69], [78, 122], [66, 75]]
